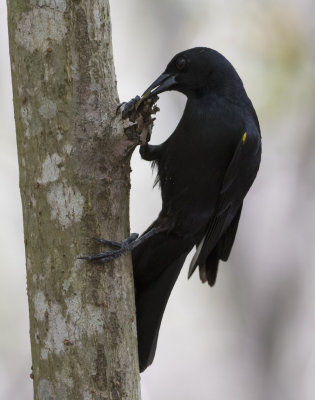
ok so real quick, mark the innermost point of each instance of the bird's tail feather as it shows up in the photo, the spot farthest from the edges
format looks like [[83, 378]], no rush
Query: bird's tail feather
[[209, 270], [150, 304], [154, 282]]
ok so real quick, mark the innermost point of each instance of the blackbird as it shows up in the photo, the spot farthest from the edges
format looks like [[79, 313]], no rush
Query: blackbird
[[204, 169]]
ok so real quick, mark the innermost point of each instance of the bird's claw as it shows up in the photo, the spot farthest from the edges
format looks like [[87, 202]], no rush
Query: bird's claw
[[112, 243], [123, 247]]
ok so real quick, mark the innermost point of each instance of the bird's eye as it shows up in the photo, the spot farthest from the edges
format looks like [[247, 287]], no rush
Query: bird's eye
[[181, 63]]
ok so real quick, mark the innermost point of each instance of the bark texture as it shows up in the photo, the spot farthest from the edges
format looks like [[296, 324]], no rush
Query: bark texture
[[74, 181]]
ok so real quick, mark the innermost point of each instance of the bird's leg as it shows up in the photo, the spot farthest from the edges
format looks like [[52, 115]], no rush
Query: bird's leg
[[150, 152], [123, 247]]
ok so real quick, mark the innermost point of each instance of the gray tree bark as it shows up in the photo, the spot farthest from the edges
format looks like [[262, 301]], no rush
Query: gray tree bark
[[74, 181]]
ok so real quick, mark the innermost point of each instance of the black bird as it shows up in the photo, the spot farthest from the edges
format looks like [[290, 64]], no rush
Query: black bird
[[205, 168]]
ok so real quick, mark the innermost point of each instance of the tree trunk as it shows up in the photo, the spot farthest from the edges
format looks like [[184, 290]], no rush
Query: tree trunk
[[74, 181]]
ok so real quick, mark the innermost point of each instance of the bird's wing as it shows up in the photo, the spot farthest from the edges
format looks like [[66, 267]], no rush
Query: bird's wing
[[238, 178]]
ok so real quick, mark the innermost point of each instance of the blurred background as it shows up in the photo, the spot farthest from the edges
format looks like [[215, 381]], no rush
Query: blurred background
[[251, 337]]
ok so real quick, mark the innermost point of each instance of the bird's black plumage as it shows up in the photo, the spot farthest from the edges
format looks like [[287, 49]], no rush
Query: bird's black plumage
[[205, 168]]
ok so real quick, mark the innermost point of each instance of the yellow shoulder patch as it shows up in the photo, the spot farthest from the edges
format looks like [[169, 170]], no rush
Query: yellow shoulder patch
[[244, 137]]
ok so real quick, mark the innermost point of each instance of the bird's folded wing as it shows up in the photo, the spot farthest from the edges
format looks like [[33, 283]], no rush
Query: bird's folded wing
[[238, 178]]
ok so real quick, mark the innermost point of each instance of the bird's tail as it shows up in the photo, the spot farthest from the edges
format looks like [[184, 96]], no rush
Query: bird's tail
[[157, 264]]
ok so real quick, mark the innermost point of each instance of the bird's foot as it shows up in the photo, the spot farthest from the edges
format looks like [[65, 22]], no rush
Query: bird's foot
[[122, 248]]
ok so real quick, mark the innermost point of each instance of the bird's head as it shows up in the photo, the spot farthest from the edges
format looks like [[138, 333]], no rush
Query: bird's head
[[195, 72]]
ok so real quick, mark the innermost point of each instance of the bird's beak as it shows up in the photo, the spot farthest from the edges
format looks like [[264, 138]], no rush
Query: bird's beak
[[161, 84]]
